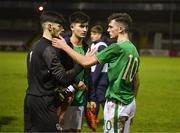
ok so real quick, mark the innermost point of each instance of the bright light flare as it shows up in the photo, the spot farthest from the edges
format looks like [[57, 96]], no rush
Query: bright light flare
[[40, 8]]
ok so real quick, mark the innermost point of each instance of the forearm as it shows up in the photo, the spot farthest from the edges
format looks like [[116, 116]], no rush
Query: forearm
[[66, 77], [56, 68], [85, 61], [136, 84]]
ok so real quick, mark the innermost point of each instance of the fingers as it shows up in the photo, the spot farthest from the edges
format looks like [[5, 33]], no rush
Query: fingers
[[83, 87], [54, 40], [93, 106], [89, 49], [59, 43], [91, 52]]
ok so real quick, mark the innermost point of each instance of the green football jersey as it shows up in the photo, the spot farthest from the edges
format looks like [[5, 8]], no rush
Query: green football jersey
[[79, 96], [123, 62]]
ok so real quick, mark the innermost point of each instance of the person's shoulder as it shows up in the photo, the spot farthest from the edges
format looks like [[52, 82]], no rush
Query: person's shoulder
[[114, 44], [40, 45], [35, 44], [125, 43]]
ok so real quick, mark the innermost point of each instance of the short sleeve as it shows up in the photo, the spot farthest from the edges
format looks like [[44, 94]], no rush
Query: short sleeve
[[109, 54]]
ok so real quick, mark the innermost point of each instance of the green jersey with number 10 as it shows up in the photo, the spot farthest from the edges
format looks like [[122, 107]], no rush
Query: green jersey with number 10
[[123, 62]]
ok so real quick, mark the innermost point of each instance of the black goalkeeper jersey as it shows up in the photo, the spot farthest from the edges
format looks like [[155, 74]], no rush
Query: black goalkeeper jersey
[[46, 71]]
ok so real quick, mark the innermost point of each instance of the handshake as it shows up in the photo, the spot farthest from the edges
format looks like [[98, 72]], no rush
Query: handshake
[[65, 93]]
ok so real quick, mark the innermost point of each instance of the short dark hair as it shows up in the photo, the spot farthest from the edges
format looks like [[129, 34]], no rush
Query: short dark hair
[[122, 18], [78, 17], [52, 16], [97, 29]]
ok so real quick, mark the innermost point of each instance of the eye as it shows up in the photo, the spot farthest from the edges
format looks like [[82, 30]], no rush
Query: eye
[[82, 26], [109, 26]]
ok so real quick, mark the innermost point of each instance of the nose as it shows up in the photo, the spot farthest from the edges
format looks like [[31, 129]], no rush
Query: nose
[[62, 29], [85, 28]]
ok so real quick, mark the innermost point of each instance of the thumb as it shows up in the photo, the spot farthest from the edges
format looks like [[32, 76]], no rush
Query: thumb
[[89, 49]]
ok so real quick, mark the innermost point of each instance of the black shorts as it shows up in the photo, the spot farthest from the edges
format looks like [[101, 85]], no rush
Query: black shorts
[[40, 114]]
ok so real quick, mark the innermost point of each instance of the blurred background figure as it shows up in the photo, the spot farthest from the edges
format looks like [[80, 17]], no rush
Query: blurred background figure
[[99, 79]]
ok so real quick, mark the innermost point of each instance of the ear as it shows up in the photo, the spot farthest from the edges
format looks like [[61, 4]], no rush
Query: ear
[[121, 29], [100, 35], [49, 27], [71, 26]]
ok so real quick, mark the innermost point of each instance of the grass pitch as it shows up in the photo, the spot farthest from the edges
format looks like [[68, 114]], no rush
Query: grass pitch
[[158, 101]]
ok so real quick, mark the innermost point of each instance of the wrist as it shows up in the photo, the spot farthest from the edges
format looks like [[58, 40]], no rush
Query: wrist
[[71, 88]]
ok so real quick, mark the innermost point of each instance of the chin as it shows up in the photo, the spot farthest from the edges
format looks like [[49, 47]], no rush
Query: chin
[[82, 36], [54, 36], [111, 37]]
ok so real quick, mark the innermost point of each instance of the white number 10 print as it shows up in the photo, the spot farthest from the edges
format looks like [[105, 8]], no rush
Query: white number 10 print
[[131, 68]]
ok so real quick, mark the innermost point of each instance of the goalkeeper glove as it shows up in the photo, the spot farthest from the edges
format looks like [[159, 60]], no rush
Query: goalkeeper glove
[[64, 93]]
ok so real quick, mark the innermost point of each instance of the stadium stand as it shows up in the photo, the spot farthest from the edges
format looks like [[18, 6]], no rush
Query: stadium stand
[[156, 22], [15, 40]]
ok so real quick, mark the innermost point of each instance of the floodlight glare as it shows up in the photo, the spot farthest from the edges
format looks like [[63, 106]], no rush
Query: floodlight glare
[[41, 8]]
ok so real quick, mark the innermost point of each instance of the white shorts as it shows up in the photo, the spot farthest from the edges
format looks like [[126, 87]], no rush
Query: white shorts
[[113, 111], [73, 118]]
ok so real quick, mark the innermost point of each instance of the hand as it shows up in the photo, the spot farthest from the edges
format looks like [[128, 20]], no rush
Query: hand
[[59, 43], [92, 106], [91, 52], [63, 94], [81, 85]]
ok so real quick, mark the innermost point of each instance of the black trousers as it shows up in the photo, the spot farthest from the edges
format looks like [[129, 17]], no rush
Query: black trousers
[[40, 114]]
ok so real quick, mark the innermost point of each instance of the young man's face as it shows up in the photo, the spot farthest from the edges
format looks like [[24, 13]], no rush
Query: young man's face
[[113, 29], [95, 36], [56, 29], [79, 29]]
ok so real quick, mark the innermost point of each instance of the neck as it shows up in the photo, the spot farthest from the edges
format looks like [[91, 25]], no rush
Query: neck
[[47, 35], [76, 41], [122, 37]]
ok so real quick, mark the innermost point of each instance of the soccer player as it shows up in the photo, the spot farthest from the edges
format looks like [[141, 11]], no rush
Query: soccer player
[[123, 63], [99, 79], [72, 121], [46, 79]]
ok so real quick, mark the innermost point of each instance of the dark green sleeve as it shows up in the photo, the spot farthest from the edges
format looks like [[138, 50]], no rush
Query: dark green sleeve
[[108, 54]]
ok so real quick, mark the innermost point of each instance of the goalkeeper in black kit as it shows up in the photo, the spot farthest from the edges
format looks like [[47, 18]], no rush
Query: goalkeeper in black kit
[[48, 80]]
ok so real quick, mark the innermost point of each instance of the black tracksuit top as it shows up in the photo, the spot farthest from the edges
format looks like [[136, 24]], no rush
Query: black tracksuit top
[[46, 69]]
